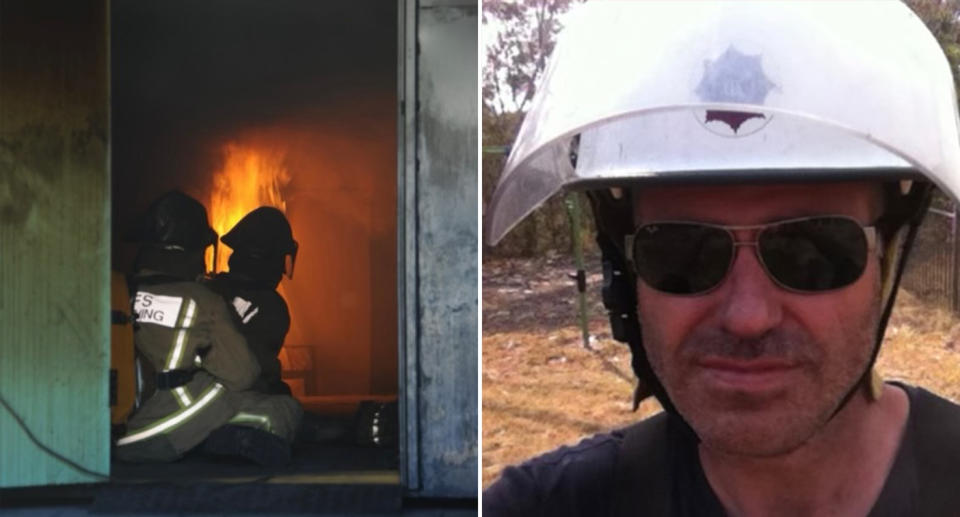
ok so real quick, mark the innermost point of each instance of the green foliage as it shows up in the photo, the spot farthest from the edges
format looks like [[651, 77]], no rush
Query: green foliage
[[941, 17], [526, 31]]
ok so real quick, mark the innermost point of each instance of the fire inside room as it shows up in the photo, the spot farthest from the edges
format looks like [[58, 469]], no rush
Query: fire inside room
[[289, 104]]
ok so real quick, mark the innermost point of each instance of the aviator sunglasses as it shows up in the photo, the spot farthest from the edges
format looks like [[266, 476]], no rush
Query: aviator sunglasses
[[806, 255]]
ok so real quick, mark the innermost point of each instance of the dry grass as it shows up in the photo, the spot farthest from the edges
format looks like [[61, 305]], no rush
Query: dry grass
[[921, 347], [542, 388]]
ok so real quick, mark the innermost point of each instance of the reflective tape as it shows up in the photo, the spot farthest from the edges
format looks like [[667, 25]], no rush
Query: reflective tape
[[182, 396], [246, 319], [177, 353], [191, 310], [174, 419], [250, 418]]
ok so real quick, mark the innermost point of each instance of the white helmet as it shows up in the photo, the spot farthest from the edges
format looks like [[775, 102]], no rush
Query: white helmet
[[734, 90], [640, 92]]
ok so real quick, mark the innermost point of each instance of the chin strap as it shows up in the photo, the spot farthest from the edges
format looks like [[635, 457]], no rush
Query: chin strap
[[875, 390], [893, 265]]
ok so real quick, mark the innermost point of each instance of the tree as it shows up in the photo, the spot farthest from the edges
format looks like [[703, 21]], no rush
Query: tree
[[525, 37], [942, 17]]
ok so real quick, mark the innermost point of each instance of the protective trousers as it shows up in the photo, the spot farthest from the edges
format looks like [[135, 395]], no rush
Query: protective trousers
[[185, 329]]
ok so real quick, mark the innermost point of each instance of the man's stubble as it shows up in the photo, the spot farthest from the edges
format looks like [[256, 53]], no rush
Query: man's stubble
[[743, 424]]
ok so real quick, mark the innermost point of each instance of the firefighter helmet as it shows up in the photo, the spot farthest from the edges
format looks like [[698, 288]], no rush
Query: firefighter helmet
[[174, 221], [264, 235]]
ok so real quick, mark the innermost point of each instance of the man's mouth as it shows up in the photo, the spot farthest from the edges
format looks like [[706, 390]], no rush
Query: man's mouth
[[748, 375]]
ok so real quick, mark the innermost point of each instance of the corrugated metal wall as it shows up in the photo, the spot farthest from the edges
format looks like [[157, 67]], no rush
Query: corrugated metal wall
[[442, 362], [54, 238]]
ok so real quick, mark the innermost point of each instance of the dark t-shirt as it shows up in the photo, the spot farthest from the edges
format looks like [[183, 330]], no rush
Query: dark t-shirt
[[592, 478]]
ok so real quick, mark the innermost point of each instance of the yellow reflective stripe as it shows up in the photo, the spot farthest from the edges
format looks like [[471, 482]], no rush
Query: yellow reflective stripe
[[191, 310], [182, 396], [174, 419], [177, 353], [179, 325], [251, 418]]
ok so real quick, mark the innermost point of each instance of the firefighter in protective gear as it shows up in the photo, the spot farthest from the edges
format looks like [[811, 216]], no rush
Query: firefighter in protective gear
[[682, 121], [193, 364], [263, 246], [263, 250]]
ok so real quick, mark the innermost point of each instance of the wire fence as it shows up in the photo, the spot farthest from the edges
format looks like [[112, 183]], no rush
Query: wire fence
[[931, 273]]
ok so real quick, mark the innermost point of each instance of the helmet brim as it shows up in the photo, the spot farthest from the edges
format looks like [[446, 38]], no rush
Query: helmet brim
[[821, 96]]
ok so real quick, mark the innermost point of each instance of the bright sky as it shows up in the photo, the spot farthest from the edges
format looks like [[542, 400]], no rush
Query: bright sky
[[488, 36]]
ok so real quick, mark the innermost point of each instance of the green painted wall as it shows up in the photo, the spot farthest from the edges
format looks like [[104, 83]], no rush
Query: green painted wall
[[54, 238]]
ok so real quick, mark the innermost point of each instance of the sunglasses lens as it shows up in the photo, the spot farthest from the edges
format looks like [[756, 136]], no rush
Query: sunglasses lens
[[816, 254], [680, 258]]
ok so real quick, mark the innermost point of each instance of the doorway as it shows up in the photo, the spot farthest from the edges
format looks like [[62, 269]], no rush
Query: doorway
[[293, 104]]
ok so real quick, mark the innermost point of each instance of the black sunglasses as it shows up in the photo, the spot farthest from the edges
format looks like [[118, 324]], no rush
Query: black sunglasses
[[807, 255]]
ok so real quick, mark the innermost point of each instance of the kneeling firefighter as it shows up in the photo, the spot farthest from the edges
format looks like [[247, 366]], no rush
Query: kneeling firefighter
[[263, 246], [263, 251], [193, 364]]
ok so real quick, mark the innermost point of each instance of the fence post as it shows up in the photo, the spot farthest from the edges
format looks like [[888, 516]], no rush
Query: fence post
[[573, 210], [955, 270]]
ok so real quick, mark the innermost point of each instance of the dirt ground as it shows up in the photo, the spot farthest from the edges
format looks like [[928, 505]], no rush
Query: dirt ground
[[542, 388]]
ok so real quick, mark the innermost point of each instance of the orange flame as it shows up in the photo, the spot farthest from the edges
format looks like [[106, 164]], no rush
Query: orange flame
[[251, 177]]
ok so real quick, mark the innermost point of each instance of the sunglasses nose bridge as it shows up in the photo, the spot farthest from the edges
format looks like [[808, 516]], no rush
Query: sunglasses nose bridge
[[755, 244], [735, 256], [736, 253], [750, 305]]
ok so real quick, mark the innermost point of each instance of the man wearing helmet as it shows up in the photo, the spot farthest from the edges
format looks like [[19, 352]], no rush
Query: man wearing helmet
[[190, 354], [194, 366], [263, 251], [261, 242], [754, 224]]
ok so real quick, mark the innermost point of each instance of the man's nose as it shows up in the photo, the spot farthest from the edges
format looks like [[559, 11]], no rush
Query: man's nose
[[751, 303]]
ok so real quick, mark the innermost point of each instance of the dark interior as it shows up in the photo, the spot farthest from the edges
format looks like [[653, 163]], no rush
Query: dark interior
[[306, 91]]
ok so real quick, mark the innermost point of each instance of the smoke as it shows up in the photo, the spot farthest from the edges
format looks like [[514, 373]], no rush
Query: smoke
[[188, 76]]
